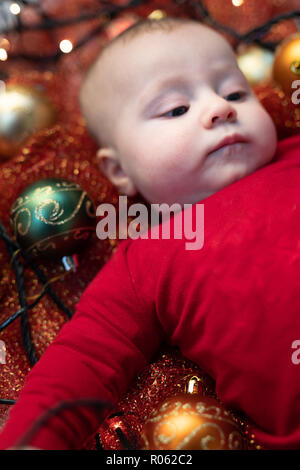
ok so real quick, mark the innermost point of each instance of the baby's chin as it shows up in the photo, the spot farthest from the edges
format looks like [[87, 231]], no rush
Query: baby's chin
[[232, 173], [235, 162], [229, 174]]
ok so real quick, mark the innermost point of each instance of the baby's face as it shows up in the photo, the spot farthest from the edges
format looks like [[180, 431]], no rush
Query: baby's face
[[177, 96]]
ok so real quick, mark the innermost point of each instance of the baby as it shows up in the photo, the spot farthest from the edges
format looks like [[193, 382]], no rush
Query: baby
[[175, 116], [178, 123]]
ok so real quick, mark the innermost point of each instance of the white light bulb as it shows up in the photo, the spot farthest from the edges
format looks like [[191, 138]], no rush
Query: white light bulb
[[15, 9], [65, 46], [3, 54]]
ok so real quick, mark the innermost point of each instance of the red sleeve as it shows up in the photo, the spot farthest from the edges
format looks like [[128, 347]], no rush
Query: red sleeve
[[97, 354]]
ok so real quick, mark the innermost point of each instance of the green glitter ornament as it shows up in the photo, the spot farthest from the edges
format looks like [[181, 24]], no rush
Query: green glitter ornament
[[53, 217]]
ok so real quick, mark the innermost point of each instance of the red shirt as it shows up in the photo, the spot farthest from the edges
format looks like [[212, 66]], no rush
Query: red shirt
[[233, 307]]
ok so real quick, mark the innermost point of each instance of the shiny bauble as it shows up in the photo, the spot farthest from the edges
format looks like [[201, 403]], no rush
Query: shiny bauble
[[255, 63], [192, 422], [286, 67], [23, 111], [53, 218]]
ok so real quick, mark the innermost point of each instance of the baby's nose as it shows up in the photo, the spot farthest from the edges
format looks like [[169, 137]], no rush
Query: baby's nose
[[218, 112]]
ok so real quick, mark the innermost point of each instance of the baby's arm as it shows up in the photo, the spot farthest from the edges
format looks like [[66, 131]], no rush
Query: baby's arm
[[97, 354]]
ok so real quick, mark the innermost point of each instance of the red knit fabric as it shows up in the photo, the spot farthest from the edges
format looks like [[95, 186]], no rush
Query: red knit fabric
[[233, 307]]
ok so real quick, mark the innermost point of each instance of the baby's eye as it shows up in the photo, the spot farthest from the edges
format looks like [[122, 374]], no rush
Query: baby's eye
[[237, 95], [177, 111]]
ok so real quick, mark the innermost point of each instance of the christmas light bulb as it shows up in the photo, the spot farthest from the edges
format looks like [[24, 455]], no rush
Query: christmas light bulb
[[3, 54], [65, 46], [15, 9]]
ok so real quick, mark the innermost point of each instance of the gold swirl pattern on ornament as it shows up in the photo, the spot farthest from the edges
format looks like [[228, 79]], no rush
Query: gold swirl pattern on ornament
[[18, 203], [56, 214], [146, 441], [67, 184], [163, 438], [205, 439], [174, 407], [46, 190], [40, 247], [202, 409], [40, 244], [90, 209], [19, 229]]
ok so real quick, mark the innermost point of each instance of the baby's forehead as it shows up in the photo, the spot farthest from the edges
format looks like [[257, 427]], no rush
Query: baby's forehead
[[126, 66], [190, 36], [165, 49], [151, 58]]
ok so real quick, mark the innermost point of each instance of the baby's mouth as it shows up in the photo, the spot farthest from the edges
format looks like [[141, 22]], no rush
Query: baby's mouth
[[230, 141]]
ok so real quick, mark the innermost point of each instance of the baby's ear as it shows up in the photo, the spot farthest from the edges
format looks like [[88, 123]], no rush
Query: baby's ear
[[109, 164]]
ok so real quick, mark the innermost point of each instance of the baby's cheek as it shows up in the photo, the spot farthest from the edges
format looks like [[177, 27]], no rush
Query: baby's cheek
[[263, 132]]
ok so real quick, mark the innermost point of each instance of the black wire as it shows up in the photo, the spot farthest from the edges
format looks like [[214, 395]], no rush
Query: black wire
[[43, 279], [4, 401], [253, 36], [108, 14], [39, 273], [19, 274], [55, 57], [57, 23], [29, 3], [18, 267], [19, 312], [204, 15], [40, 9], [264, 29], [99, 446], [114, 415], [123, 439]]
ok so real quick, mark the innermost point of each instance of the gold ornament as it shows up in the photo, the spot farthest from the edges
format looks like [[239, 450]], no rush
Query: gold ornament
[[191, 421], [255, 63], [286, 68], [23, 111]]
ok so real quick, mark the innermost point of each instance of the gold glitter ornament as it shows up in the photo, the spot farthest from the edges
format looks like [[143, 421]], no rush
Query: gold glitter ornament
[[53, 217], [23, 111], [286, 67], [191, 421]]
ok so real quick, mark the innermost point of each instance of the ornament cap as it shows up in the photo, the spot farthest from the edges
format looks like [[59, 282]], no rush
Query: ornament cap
[[194, 385]]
